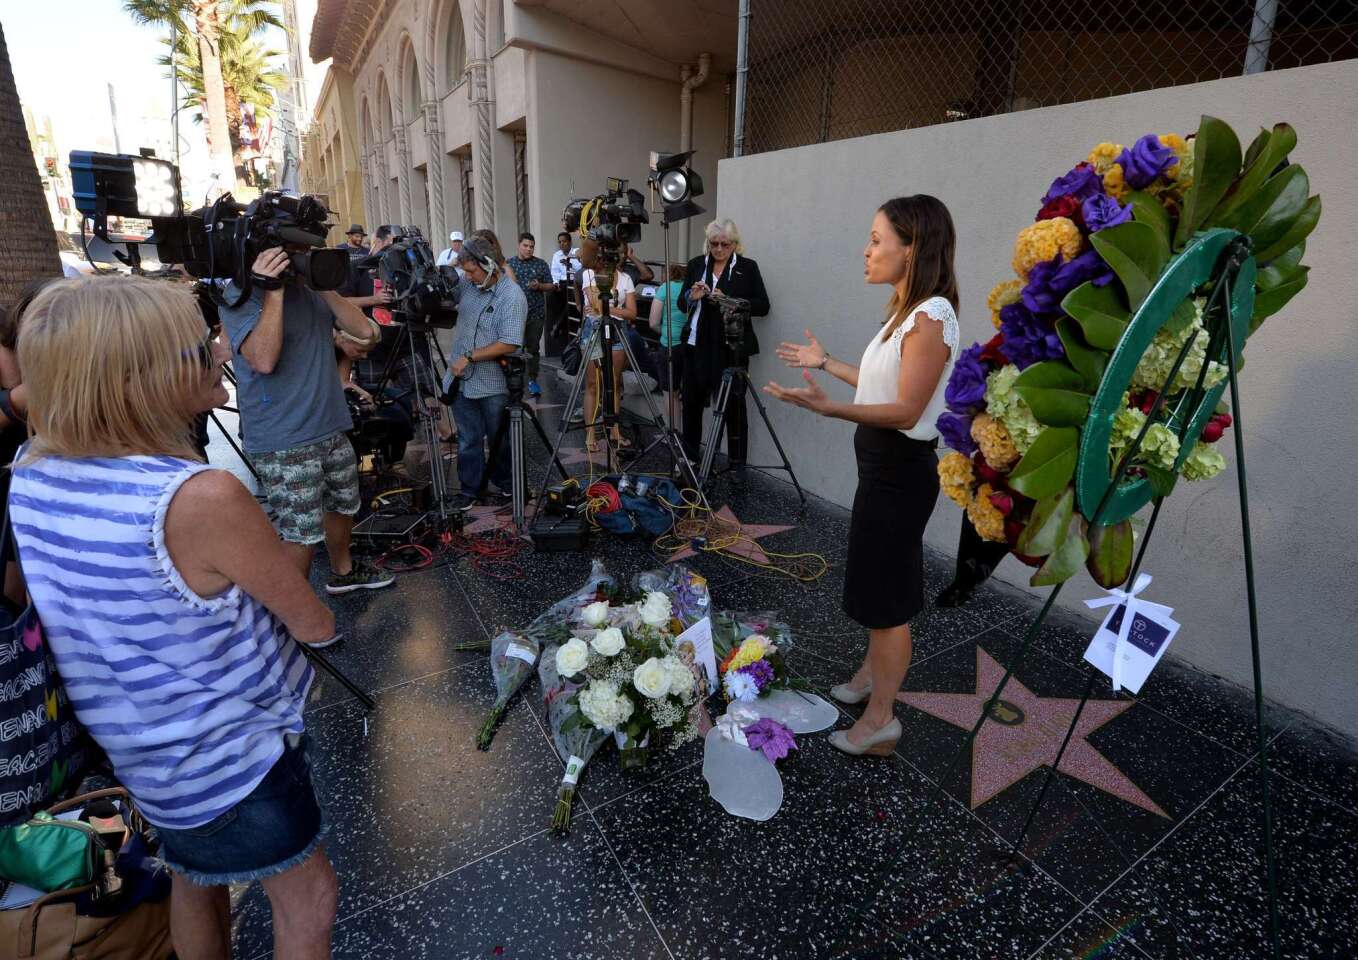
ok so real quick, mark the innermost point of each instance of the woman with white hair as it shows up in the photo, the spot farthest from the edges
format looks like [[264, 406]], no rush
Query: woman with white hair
[[723, 268]]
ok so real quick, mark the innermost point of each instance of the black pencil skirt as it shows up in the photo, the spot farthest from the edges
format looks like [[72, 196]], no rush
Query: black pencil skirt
[[897, 490]]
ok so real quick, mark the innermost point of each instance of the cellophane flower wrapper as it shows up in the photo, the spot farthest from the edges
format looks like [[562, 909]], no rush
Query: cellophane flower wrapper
[[730, 628], [512, 657], [575, 741], [686, 588]]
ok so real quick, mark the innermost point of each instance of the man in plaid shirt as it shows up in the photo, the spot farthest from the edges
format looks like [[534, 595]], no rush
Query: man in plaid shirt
[[535, 279]]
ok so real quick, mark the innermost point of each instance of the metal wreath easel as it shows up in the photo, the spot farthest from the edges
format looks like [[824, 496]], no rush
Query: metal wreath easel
[[1224, 260]]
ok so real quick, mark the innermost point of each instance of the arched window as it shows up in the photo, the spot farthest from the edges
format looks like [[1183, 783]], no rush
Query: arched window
[[412, 91], [384, 118], [454, 45], [367, 142]]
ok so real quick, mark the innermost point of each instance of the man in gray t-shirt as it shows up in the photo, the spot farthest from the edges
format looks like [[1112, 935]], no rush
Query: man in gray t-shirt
[[293, 414], [490, 325]]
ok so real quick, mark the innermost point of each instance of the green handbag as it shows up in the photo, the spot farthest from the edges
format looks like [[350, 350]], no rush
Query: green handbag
[[49, 854]]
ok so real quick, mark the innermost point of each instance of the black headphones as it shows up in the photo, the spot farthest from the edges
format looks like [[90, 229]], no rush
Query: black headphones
[[480, 252]]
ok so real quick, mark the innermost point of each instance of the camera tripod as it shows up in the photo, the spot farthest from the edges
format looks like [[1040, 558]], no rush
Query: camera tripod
[[607, 336], [512, 423], [734, 377]]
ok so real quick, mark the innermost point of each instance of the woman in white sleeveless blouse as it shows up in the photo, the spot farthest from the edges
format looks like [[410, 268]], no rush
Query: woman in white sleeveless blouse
[[899, 393]]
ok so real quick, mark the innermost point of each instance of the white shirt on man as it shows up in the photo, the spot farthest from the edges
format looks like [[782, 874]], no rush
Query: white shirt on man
[[564, 265]]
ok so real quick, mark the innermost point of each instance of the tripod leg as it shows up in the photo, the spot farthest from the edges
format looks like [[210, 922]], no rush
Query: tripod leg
[[586, 349], [714, 433], [764, 414], [518, 481], [226, 435], [496, 446], [542, 435], [668, 434]]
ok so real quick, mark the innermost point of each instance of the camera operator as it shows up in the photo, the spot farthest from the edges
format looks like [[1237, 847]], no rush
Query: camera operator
[[724, 268], [492, 311], [293, 413], [192, 681], [535, 279]]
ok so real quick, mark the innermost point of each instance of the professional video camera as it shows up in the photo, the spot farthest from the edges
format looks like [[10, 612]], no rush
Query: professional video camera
[[735, 319], [218, 241], [422, 291], [610, 219]]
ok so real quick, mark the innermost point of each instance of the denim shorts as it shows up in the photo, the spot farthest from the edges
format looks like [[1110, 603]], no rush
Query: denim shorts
[[277, 827]]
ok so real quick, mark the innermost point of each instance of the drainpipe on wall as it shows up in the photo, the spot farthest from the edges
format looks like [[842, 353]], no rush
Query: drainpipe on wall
[[1261, 36], [690, 81], [742, 73]]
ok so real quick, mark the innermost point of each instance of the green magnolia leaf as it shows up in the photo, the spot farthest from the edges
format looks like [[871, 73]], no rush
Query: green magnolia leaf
[[1281, 267], [1056, 393], [1065, 561], [1266, 215], [1182, 316], [1150, 211], [1216, 164], [1110, 554], [1161, 480], [1268, 150], [1137, 254], [1100, 313], [1269, 302], [1297, 231], [1048, 523], [1088, 362], [1048, 465]]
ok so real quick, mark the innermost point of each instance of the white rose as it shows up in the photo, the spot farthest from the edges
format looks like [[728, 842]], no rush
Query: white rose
[[596, 614], [656, 610], [608, 643], [572, 657], [681, 677], [652, 679]]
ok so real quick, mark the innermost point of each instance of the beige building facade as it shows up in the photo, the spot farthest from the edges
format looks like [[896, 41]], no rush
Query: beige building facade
[[461, 114]]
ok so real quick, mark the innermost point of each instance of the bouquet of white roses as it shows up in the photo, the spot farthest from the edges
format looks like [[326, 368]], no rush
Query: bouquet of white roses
[[512, 657]]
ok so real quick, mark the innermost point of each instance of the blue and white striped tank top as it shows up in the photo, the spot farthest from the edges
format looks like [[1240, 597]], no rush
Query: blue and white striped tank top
[[189, 697]]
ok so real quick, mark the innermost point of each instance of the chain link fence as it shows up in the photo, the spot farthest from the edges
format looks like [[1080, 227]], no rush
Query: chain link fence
[[824, 70]]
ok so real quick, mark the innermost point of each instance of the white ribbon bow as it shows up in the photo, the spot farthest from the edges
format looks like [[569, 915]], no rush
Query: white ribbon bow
[[733, 722], [1133, 603]]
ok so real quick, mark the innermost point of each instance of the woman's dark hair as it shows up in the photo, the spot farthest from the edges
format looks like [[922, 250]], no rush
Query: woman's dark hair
[[11, 319], [923, 223], [678, 271]]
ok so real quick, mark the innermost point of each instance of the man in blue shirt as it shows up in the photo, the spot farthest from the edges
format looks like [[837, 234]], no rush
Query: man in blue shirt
[[492, 311], [293, 413], [534, 278]]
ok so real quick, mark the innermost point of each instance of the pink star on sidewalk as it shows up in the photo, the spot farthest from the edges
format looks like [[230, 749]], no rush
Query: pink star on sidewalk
[[483, 519], [747, 545], [1024, 733]]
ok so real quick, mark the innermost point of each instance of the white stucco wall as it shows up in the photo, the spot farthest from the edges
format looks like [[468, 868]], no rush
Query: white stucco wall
[[805, 214], [589, 122]]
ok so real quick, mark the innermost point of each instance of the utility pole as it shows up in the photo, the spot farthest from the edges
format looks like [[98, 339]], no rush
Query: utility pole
[[113, 115]]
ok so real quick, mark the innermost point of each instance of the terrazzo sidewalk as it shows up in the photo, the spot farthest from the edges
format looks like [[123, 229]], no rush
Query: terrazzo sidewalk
[[1148, 844]]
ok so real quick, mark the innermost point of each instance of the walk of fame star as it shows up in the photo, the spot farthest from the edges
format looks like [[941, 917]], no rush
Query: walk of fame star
[[1025, 732], [484, 518], [747, 547]]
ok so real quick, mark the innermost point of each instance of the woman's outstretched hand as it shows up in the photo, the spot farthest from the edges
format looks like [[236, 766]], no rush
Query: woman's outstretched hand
[[811, 396], [806, 355]]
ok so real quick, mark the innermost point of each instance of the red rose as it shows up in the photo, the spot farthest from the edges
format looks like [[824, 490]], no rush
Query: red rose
[[1002, 502], [1224, 419], [985, 471], [1148, 401], [990, 353], [1066, 206], [1212, 432]]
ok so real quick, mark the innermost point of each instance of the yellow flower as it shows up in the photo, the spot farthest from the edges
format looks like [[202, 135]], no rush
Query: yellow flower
[[985, 517], [1043, 240], [1180, 147], [956, 478], [1004, 294], [750, 651], [1115, 184], [996, 446], [1104, 156]]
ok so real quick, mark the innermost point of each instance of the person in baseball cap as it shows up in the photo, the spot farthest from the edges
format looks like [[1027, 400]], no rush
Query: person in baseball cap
[[449, 257]]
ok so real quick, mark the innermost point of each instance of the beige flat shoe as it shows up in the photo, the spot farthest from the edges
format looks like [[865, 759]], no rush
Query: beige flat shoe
[[881, 744]]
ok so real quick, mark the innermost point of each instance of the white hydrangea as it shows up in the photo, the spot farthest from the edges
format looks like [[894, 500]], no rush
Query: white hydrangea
[[681, 677], [604, 706]]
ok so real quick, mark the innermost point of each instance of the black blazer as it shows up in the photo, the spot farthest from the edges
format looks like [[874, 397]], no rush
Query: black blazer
[[741, 279]]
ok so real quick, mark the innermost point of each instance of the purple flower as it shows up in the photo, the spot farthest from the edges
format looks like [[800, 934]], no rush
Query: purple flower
[[1040, 293], [761, 672], [956, 432], [1103, 211], [966, 386], [1029, 338], [771, 738], [1081, 183], [1087, 266], [1146, 160]]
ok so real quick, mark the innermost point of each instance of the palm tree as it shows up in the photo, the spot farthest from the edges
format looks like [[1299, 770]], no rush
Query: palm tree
[[30, 241], [205, 16], [249, 75]]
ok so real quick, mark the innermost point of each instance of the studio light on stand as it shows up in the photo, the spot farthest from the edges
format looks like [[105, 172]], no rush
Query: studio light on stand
[[123, 185], [673, 183]]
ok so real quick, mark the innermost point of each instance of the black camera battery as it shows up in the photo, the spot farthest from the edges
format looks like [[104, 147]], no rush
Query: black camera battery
[[559, 534]]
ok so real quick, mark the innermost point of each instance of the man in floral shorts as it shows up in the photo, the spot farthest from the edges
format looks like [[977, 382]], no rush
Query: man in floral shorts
[[293, 415]]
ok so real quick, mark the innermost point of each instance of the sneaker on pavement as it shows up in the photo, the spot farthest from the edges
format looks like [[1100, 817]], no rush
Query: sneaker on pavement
[[462, 503], [326, 643], [578, 416], [362, 577], [533, 389]]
